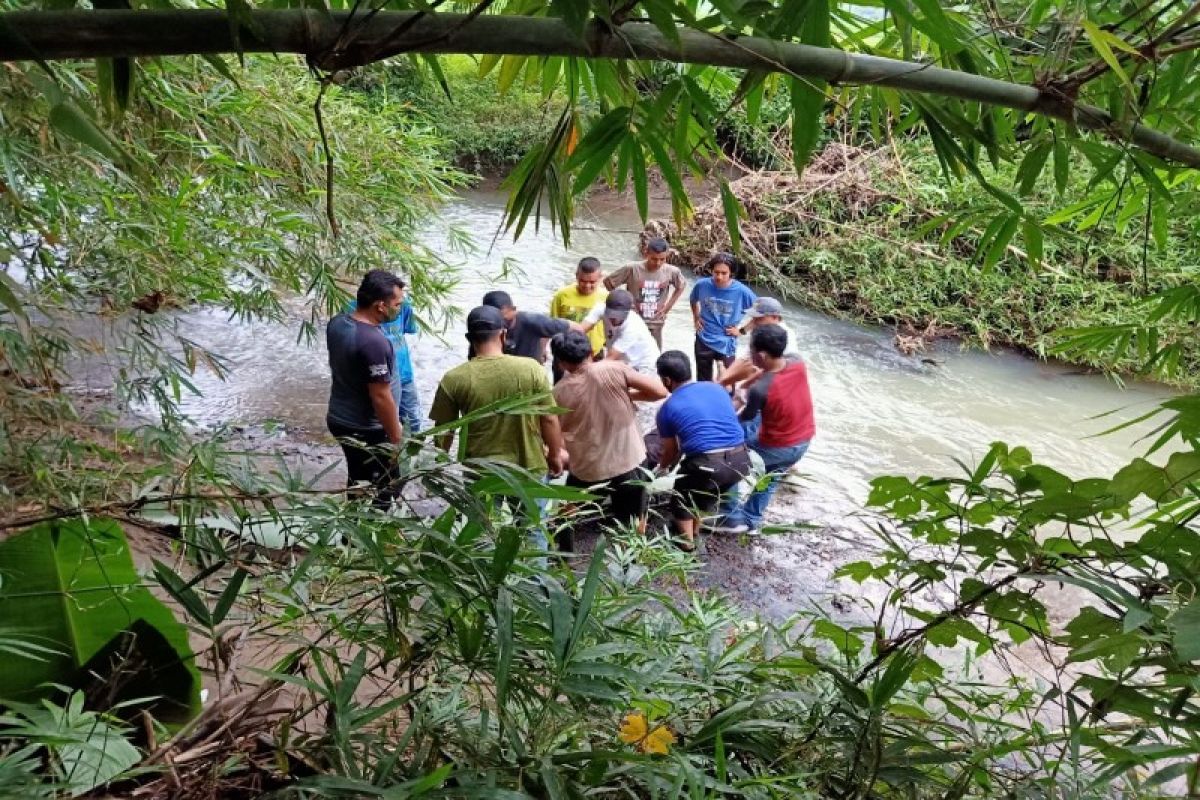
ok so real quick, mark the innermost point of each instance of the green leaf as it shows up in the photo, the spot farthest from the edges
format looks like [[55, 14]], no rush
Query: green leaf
[[1033, 243], [587, 595], [1186, 626], [1062, 164], [114, 78], [229, 596], [733, 212], [1031, 168], [808, 120], [73, 585], [1000, 241], [510, 69], [183, 593], [222, 68], [10, 299], [69, 120], [1103, 42], [504, 642], [641, 185]]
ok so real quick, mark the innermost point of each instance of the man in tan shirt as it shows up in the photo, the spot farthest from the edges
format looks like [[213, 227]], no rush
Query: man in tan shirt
[[600, 432]]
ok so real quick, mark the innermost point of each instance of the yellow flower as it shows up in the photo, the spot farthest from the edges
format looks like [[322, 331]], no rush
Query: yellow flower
[[636, 731]]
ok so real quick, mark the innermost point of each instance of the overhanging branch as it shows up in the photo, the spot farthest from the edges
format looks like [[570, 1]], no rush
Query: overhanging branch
[[52, 35]]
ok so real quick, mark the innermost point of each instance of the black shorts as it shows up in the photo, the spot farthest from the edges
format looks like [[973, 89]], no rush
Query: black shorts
[[704, 477]]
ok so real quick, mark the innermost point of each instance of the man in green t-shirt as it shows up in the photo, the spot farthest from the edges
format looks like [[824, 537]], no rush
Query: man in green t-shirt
[[524, 440]]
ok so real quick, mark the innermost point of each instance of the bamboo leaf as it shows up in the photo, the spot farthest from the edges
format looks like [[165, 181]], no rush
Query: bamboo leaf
[[1062, 165], [662, 16], [510, 68], [183, 594], [504, 643], [1031, 168], [1033, 243], [808, 105], [588, 595], [733, 212], [69, 120], [572, 12], [641, 185], [999, 240], [228, 596], [1102, 42]]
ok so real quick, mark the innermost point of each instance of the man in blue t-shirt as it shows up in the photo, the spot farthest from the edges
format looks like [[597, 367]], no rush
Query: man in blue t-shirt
[[404, 386], [697, 424], [718, 304]]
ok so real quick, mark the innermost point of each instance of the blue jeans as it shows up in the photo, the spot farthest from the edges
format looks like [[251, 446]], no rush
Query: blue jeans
[[776, 461], [409, 403]]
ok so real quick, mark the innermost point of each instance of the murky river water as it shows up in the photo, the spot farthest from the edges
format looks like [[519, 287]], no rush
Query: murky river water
[[878, 412]]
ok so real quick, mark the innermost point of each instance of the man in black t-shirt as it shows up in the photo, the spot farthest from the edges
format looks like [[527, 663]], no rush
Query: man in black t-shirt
[[527, 330], [362, 411]]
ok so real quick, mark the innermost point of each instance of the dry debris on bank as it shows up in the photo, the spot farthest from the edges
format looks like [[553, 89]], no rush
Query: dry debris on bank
[[779, 210], [776, 203]]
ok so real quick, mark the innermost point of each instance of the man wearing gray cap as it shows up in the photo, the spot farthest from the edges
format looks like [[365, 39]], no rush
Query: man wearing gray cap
[[765, 311], [626, 336], [531, 441]]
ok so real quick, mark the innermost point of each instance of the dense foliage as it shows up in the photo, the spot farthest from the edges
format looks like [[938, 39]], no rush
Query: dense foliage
[[485, 124], [217, 205], [425, 653]]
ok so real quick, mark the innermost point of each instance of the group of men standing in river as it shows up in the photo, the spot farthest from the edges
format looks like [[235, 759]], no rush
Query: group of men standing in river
[[605, 339]]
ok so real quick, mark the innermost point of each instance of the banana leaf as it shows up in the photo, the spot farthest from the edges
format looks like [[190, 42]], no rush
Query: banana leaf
[[70, 594]]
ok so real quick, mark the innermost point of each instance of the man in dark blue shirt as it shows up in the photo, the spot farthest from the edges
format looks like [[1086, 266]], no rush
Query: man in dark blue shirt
[[362, 411], [697, 424], [528, 331]]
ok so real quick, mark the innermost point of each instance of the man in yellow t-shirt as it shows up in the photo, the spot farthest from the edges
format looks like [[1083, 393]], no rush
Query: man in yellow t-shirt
[[575, 301]]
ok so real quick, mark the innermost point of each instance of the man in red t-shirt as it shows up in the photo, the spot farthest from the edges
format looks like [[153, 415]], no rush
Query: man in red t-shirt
[[782, 397]]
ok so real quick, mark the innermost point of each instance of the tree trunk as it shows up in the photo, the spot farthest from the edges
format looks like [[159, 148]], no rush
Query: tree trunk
[[340, 40]]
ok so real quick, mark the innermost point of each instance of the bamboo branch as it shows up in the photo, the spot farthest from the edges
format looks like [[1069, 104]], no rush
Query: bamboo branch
[[51, 35]]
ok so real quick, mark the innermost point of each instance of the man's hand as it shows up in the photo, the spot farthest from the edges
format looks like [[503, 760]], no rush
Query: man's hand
[[556, 462], [733, 330], [699, 323]]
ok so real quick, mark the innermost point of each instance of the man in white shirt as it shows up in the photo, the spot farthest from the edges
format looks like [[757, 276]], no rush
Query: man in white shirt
[[626, 336]]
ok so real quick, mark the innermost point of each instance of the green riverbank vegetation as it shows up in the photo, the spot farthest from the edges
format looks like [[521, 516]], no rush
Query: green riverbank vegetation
[[180, 618], [876, 235]]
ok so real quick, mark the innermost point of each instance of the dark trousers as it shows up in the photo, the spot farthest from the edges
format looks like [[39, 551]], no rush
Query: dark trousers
[[367, 463], [704, 477], [706, 358], [625, 494]]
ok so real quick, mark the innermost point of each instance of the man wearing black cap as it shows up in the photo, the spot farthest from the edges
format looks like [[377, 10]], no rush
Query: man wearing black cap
[[527, 330], [626, 336], [531, 441]]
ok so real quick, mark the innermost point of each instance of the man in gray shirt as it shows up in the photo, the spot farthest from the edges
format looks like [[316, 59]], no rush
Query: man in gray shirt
[[527, 331], [362, 413]]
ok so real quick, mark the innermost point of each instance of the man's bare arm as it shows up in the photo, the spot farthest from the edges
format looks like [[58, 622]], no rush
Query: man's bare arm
[[674, 298], [740, 370], [669, 454], [552, 437], [645, 388], [386, 411]]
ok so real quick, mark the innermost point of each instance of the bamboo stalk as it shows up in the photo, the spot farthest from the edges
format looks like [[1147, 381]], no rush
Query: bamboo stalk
[[334, 41]]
